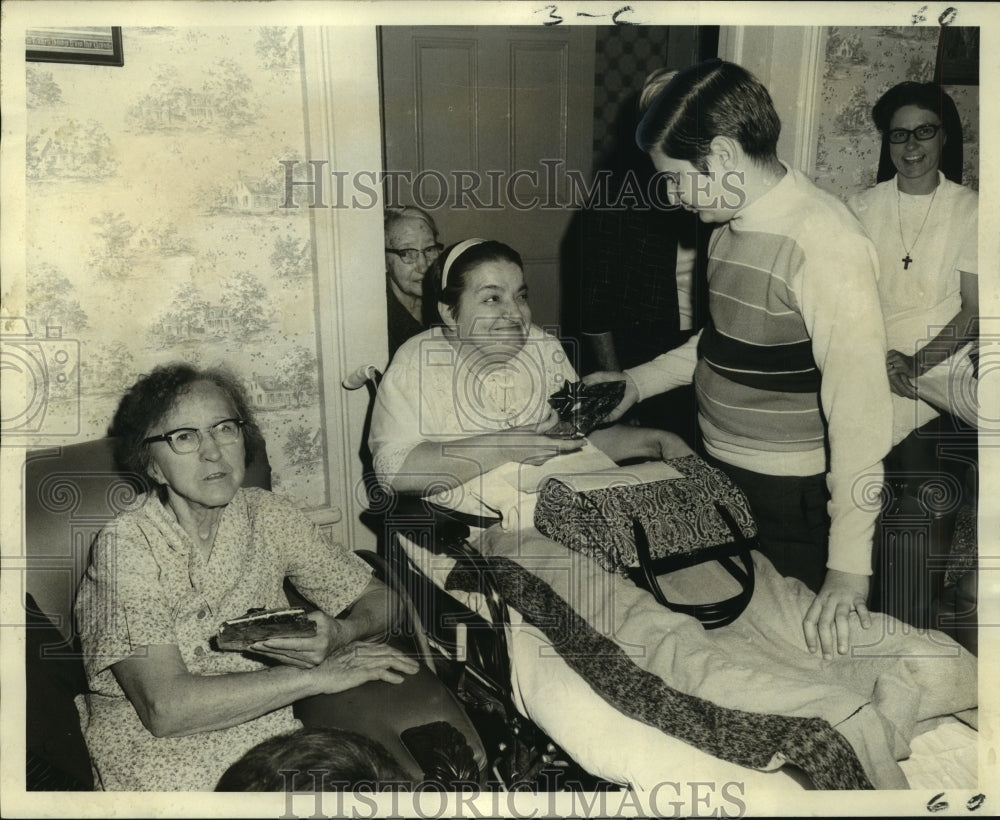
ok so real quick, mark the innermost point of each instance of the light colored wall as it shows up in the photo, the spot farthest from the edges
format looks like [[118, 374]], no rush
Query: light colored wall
[[154, 233], [859, 65], [140, 247], [824, 82]]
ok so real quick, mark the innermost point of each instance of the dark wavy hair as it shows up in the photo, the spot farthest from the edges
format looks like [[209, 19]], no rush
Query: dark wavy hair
[[930, 97], [313, 759], [489, 251], [155, 394], [710, 99]]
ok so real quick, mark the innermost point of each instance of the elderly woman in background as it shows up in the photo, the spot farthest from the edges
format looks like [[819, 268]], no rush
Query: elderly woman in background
[[411, 246], [166, 710]]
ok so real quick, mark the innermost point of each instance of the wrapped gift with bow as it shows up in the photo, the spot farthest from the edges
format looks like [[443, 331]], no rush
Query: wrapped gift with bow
[[582, 407]]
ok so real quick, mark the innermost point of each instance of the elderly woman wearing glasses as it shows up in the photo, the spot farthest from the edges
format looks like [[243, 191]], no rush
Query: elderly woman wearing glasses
[[166, 710], [411, 246], [925, 227]]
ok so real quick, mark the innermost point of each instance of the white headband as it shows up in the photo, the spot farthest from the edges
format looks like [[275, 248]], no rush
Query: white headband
[[459, 249]]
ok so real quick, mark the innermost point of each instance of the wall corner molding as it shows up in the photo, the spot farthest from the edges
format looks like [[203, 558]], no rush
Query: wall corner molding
[[788, 60], [343, 127]]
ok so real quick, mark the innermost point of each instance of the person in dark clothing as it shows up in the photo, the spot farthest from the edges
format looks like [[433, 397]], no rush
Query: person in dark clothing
[[641, 265], [411, 246]]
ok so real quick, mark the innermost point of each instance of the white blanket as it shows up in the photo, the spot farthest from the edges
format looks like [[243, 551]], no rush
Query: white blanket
[[878, 698]]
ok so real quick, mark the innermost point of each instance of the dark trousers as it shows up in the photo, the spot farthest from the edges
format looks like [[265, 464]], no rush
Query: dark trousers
[[792, 522], [925, 476], [675, 411]]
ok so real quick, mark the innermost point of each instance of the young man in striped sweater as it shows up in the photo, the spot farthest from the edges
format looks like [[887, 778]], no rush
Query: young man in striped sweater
[[793, 398]]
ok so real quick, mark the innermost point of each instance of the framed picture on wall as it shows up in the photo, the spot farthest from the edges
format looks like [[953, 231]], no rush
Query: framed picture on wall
[[89, 45], [958, 56]]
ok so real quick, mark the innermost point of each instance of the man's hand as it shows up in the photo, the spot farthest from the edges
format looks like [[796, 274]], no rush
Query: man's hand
[[671, 446], [827, 622], [631, 391]]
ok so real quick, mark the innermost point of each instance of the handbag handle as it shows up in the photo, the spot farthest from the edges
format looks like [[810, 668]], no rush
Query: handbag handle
[[712, 616], [726, 515]]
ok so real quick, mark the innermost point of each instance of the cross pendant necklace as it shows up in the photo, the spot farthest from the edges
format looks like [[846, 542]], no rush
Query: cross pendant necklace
[[906, 260]]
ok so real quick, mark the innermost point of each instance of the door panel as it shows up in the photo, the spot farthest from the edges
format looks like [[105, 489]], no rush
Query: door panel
[[486, 121], [445, 86]]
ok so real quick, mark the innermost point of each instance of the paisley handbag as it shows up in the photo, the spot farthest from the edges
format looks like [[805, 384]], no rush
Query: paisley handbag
[[644, 528]]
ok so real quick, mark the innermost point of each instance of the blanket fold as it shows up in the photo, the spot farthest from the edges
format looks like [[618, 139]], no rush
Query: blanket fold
[[757, 740]]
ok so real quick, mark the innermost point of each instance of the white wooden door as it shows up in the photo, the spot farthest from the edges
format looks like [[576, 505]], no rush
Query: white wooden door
[[483, 123]]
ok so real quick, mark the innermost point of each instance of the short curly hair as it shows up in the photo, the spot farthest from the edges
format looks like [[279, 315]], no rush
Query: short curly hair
[[156, 393], [399, 213]]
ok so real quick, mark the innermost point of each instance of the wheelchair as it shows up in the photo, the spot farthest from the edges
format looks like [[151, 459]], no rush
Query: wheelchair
[[470, 649]]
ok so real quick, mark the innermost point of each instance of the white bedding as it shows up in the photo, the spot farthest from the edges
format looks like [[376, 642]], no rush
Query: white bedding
[[621, 749]]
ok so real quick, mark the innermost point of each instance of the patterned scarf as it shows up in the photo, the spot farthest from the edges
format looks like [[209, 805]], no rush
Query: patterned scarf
[[746, 738]]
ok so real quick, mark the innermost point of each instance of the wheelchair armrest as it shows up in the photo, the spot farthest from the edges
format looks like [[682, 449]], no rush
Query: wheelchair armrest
[[447, 525], [465, 519]]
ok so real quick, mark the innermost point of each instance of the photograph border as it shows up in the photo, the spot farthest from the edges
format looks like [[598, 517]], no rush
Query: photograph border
[[70, 46], [949, 800]]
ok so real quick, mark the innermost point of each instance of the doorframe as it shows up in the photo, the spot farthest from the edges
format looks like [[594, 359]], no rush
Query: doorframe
[[788, 60], [343, 126]]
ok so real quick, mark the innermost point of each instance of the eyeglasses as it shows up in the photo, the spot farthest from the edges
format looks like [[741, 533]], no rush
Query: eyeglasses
[[924, 132], [410, 255], [186, 440]]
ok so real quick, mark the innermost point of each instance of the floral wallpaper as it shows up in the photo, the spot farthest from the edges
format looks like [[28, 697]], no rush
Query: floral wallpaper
[[623, 57], [155, 232], [860, 65]]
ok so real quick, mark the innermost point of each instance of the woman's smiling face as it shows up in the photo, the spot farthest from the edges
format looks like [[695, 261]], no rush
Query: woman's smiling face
[[916, 161], [493, 310]]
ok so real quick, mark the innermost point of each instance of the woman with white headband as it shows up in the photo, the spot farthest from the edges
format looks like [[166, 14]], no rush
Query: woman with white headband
[[470, 395]]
